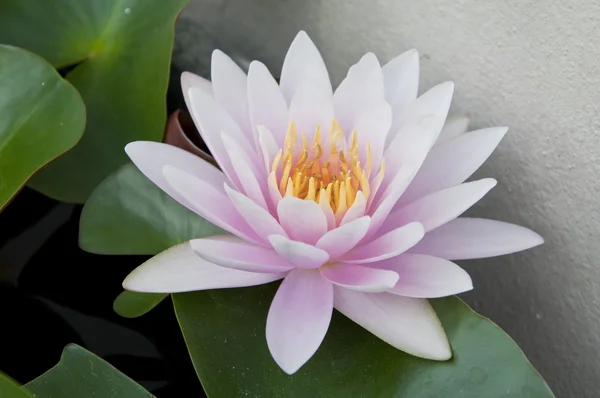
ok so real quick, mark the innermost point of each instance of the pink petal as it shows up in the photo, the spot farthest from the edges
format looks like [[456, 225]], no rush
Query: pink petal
[[247, 172], [300, 254], [274, 193], [150, 158], [357, 277], [303, 62], [359, 91], [386, 246], [259, 219], [209, 202], [229, 86], [211, 120], [468, 238], [310, 107], [232, 252], [268, 146], [299, 318], [407, 324], [439, 207], [423, 276], [373, 126], [267, 104], [453, 162], [401, 79], [179, 269], [339, 241], [356, 210], [303, 220], [455, 126], [189, 80], [327, 210], [435, 101]]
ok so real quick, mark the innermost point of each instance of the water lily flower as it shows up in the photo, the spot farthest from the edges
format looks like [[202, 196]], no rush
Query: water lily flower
[[350, 196]]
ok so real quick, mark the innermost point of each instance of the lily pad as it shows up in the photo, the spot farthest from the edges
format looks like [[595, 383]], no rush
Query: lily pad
[[133, 304], [225, 334], [120, 51], [128, 214], [10, 389], [82, 374], [41, 117]]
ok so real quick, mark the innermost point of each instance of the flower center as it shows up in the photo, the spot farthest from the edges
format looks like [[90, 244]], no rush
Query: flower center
[[326, 171]]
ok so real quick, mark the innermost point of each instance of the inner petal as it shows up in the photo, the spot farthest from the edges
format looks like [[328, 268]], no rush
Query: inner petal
[[326, 170]]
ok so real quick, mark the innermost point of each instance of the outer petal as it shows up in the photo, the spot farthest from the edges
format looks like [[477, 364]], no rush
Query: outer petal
[[259, 219], [150, 158], [452, 163], [310, 107], [299, 318], [339, 241], [435, 101], [361, 90], [266, 102], [386, 246], [467, 238], [232, 252], [209, 202], [229, 86], [439, 207], [455, 126], [303, 220], [357, 277], [179, 269], [401, 78], [303, 62], [300, 254], [424, 276], [407, 324], [189, 80]]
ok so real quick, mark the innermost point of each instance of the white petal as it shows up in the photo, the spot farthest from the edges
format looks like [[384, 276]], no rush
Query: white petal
[[247, 172], [310, 107], [230, 88], [439, 207], [359, 91], [327, 210], [274, 193], [232, 252], [407, 324], [468, 238], [189, 80], [386, 246], [452, 163], [435, 101], [339, 241], [303, 220], [303, 62], [208, 201], [423, 276], [267, 105], [357, 277], [373, 126], [298, 318], [259, 219], [401, 78], [268, 146], [455, 126], [150, 158], [300, 254], [356, 210], [179, 269]]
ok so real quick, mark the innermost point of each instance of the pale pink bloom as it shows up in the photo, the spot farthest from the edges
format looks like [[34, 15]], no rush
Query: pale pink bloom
[[351, 196]]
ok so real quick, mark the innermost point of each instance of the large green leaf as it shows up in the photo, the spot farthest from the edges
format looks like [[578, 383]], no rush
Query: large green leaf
[[81, 374], [10, 389], [133, 304], [128, 214], [41, 117], [122, 49], [225, 334]]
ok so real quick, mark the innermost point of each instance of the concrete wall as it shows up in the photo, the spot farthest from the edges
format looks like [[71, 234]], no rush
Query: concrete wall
[[529, 64]]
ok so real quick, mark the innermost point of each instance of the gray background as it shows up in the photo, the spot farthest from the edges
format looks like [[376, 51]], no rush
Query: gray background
[[529, 64]]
